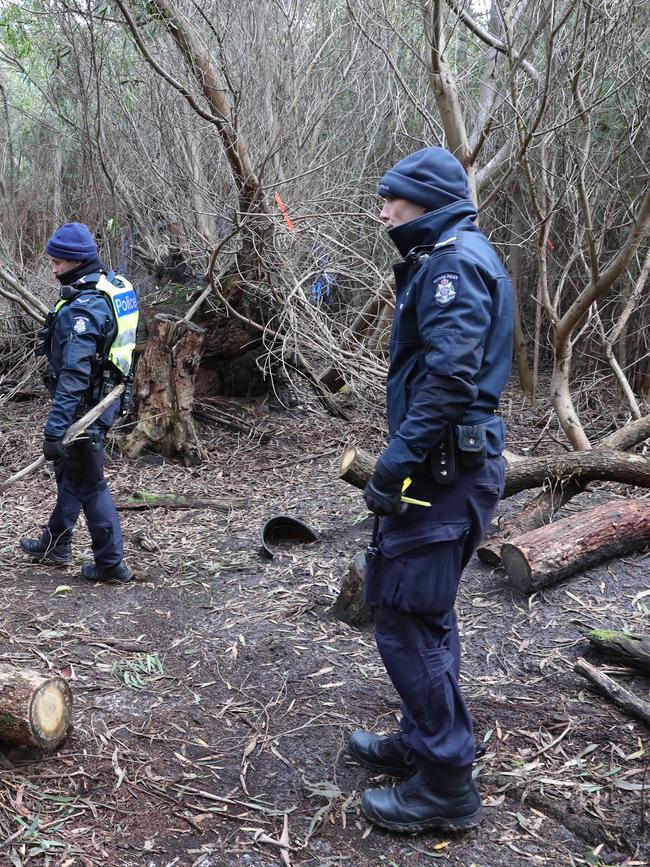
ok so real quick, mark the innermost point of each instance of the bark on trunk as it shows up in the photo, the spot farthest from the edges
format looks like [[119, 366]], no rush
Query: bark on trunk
[[626, 647], [536, 513], [578, 468], [35, 709], [350, 606], [163, 392], [551, 553], [517, 274], [620, 696], [584, 466], [540, 509]]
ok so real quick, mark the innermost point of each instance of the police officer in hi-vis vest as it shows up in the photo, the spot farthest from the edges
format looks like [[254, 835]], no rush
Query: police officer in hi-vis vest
[[89, 340], [450, 356]]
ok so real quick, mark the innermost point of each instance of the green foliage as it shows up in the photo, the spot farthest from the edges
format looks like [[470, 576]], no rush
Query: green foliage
[[138, 672], [14, 30]]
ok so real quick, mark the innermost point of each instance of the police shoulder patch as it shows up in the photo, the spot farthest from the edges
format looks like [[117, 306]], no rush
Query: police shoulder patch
[[80, 325], [446, 288]]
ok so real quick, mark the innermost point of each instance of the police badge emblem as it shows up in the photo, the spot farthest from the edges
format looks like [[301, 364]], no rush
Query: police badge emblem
[[79, 325], [446, 288]]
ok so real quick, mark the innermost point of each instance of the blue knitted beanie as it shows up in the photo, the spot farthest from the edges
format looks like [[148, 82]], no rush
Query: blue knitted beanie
[[73, 242], [431, 177]]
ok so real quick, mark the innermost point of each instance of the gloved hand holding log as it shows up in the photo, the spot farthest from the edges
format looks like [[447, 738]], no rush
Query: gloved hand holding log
[[72, 433]]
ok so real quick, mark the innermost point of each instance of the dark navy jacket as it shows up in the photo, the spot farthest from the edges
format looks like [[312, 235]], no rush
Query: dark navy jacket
[[79, 333], [451, 342]]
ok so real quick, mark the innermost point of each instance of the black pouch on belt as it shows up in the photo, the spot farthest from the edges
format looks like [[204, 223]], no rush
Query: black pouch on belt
[[472, 451], [442, 459]]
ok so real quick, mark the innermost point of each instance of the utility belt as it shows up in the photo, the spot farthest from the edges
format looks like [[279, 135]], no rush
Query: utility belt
[[463, 446], [106, 381]]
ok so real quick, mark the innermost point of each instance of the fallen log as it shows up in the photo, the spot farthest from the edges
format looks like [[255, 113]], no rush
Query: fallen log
[[551, 553], [604, 464], [540, 509], [350, 606], [35, 709], [627, 647], [620, 696], [576, 467], [142, 500], [534, 514], [568, 474]]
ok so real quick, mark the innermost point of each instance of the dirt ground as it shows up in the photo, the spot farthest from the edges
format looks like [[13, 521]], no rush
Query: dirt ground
[[215, 693]]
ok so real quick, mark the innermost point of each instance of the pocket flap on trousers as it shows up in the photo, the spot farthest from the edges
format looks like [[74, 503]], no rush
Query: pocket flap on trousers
[[398, 542]]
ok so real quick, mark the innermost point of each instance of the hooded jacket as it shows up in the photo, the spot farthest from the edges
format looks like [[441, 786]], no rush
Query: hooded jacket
[[451, 341]]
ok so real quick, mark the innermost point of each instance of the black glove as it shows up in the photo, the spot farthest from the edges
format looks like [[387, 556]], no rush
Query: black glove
[[53, 448], [383, 493]]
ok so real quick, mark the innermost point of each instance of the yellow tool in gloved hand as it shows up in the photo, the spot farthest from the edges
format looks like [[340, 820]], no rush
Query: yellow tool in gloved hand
[[407, 483]]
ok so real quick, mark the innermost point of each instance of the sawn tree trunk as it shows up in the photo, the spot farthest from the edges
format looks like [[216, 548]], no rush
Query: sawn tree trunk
[[35, 709], [553, 552], [163, 392]]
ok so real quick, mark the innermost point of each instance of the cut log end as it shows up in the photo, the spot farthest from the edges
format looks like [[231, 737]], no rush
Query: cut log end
[[516, 566], [347, 460], [356, 467], [34, 710], [49, 713]]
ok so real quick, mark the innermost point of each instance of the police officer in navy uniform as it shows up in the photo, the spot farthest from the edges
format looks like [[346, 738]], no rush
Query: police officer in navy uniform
[[75, 339], [450, 358]]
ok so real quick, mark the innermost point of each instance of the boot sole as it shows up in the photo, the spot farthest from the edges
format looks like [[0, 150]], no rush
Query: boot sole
[[437, 823]]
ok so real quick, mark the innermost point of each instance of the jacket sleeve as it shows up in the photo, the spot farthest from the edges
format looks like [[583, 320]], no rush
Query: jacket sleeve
[[453, 335], [80, 327]]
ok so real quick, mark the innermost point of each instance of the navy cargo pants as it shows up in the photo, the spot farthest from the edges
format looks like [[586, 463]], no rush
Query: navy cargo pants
[[412, 578], [81, 485]]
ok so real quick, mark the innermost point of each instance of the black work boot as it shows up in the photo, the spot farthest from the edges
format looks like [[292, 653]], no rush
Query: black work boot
[[388, 755], [48, 549], [439, 797], [118, 574]]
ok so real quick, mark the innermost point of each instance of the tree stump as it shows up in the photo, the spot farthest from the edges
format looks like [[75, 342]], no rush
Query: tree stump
[[163, 392], [35, 709], [551, 553], [350, 606]]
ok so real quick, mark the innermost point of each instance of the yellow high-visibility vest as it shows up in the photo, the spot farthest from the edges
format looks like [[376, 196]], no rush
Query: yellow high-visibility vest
[[124, 304]]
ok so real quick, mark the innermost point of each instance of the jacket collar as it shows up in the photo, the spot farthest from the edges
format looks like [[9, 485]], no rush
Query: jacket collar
[[91, 266], [430, 227], [72, 282]]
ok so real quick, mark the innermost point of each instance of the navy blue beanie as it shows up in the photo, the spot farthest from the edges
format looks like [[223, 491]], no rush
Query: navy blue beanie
[[431, 177], [73, 242]]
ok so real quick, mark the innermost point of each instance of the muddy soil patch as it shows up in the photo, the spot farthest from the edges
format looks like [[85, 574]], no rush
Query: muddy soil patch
[[215, 694]]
